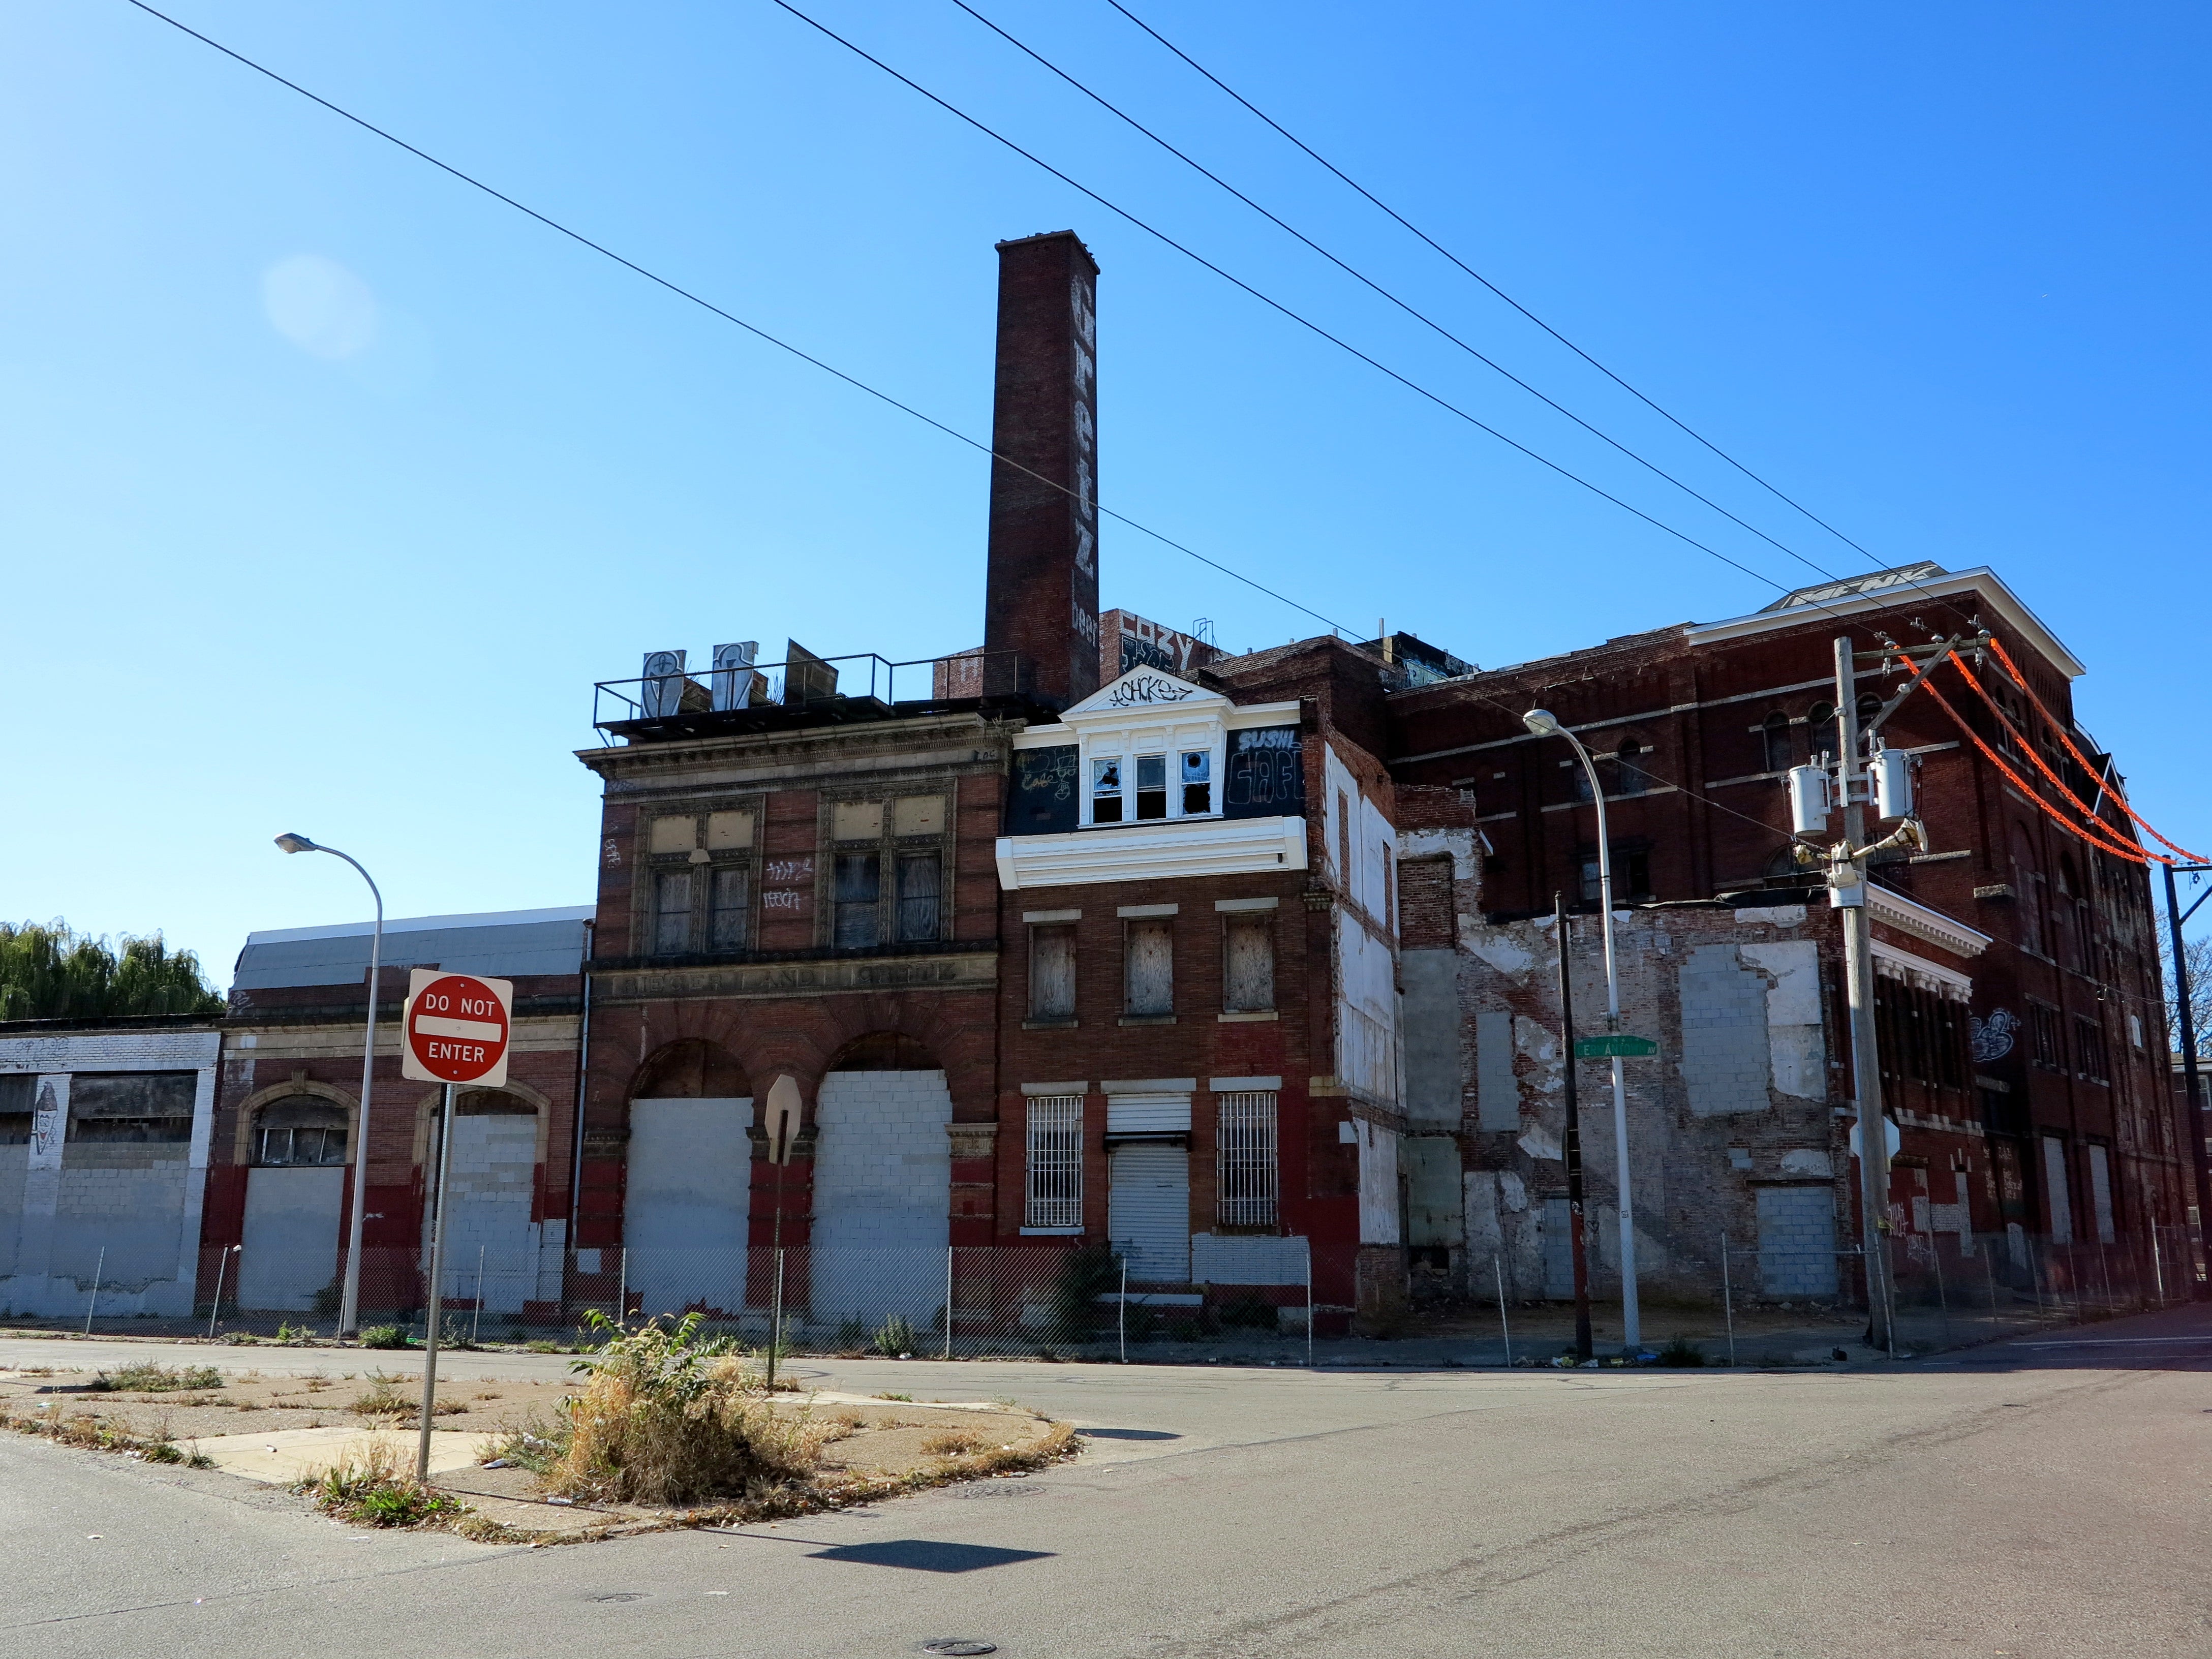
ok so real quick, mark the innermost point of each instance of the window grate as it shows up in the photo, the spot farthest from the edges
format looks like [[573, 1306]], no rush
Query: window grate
[[1244, 1161], [1054, 1185]]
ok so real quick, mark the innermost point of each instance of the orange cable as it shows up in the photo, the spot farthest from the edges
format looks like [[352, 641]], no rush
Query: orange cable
[[2112, 787], [2027, 748], [2134, 855]]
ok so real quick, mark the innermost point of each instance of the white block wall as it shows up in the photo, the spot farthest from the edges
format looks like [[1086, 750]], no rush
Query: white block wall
[[883, 1194]]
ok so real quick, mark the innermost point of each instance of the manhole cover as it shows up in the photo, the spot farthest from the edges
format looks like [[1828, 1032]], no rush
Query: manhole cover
[[958, 1646], [622, 1596]]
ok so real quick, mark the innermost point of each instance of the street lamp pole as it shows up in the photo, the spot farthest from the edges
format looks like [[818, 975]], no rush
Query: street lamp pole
[[1544, 723], [349, 1301]]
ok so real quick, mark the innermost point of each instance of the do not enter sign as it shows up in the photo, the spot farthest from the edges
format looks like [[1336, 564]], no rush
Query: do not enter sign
[[455, 1028]]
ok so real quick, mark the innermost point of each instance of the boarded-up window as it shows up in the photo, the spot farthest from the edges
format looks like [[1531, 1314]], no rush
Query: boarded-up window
[[857, 820], [675, 835], [727, 831], [1149, 954], [671, 911], [132, 1106], [1425, 901], [1248, 962], [730, 914], [16, 1102], [920, 877], [1051, 973], [918, 815], [859, 893], [1053, 1195], [1244, 1161]]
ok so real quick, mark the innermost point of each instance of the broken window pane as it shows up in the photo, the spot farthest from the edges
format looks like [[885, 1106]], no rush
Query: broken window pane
[[1197, 781], [1149, 952], [1106, 790]]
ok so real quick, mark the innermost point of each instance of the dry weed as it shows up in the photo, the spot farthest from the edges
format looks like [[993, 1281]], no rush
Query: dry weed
[[954, 1443]]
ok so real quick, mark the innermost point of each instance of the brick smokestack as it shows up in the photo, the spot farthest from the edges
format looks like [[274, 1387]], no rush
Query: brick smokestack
[[1042, 596]]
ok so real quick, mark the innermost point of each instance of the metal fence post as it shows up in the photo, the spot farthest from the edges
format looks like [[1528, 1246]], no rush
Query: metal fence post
[[1728, 1299], [1121, 1310], [1309, 1302], [98, 1269], [476, 1317], [622, 1287], [1506, 1330], [948, 1302], [2157, 1267], [222, 1261]]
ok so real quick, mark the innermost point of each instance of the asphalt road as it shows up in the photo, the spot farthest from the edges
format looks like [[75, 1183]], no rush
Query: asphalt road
[[2025, 1499]]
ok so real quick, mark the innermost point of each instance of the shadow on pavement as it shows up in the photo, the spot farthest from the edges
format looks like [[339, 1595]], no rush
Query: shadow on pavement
[[929, 1555]]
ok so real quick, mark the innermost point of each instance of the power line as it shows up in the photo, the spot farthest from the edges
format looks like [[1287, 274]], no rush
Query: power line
[[728, 317], [1274, 304], [1485, 282], [1410, 310], [1501, 293]]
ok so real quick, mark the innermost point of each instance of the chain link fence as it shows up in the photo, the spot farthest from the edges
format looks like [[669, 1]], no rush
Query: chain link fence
[[1052, 1302]]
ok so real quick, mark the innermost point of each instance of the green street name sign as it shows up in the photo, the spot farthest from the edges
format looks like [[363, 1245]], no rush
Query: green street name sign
[[1617, 1046]]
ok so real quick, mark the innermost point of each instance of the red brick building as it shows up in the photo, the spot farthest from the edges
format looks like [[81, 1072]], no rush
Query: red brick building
[[2019, 1005]]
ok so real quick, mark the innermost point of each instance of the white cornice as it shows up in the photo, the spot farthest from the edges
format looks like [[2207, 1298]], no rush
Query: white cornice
[[1153, 852], [1981, 580], [1918, 969], [1910, 916]]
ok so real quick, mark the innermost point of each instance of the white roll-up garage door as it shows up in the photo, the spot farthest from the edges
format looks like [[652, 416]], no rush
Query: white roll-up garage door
[[1148, 1211]]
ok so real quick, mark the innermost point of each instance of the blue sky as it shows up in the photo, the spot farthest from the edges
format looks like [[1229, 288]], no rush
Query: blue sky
[[330, 485]]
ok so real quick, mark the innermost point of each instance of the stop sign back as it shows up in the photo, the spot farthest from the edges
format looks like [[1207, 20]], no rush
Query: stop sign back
[[455, 1028]]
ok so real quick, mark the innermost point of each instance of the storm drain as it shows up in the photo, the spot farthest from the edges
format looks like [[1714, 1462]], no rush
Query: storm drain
[[959, 1647]]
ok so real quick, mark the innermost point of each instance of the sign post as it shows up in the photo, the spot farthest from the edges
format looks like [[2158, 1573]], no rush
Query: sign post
[[454, 1030], [782, 1125]]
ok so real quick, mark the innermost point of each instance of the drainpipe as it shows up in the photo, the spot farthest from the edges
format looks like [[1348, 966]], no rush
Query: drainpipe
[[583, 1073]]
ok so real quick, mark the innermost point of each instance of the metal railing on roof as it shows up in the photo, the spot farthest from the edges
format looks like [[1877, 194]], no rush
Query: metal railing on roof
[[673, 695]]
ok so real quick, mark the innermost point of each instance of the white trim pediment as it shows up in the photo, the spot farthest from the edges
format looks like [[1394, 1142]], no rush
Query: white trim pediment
[[1910, 916], [1146, 687]]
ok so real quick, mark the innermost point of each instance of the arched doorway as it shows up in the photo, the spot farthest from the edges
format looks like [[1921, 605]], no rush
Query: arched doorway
[[687, 1185], [883, 1181], [492, 1248], [295, 1195]]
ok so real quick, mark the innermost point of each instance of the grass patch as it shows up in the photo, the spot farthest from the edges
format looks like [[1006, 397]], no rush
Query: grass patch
[[954, 1443], [896, 1337], [670, 1417], [91, 1432], [146, 1378], [907, 1397], [541, 1345], [369, 1490], [1682, 1352], [386, 1336]]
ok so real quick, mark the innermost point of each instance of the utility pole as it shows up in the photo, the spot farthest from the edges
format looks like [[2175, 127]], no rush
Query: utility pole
[[1847, 892], [2193, 1102], [1573, 1148]]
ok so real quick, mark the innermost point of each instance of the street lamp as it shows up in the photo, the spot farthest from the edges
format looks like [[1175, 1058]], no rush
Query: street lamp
[[350, 1302], [1544, 723]]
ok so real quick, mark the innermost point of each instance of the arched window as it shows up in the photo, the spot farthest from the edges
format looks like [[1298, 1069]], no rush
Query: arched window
[[1821, 729], [1780, 753], [1628, 767], [1869, 707], [298, 1131], [692, 1069], [884, 1051]]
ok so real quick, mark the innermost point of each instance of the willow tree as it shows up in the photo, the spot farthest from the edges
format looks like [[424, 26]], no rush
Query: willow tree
[[48, 972]]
